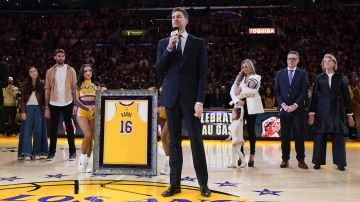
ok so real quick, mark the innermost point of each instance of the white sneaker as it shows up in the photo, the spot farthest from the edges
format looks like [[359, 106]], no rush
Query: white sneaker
[[37, 157], [89, 169], [165, 170], [242, 165], [82, 164], [27, 158], [231, 166], [20, 157]]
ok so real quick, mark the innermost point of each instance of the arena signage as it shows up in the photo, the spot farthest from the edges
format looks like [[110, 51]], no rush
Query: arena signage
[[215, 123], [133, 32], [261, 30]]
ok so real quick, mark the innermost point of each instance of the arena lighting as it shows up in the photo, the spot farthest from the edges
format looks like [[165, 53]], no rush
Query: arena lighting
[[133, 32], [268, 30]]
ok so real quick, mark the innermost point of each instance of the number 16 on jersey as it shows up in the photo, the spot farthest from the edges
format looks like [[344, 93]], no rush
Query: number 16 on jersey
[[125, 127]]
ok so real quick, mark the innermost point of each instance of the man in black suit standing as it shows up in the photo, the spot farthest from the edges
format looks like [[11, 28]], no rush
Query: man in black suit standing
[[291, 85], [182, 61]]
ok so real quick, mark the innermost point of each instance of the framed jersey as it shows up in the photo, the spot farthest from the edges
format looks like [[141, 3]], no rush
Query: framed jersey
[[125, 132]]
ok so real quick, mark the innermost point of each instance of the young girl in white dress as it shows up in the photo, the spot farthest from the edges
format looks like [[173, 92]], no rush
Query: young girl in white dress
[[237, 137]]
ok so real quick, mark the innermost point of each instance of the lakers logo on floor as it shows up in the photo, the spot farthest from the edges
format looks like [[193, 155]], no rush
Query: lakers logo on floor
[[104, 190]]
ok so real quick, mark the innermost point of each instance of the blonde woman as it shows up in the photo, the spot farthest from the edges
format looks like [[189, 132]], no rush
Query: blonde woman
[[245, 92], [330, 108]]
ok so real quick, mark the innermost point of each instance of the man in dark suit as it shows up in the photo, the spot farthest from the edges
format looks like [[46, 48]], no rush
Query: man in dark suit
[[291, 85], [182, 61], [3, 83]]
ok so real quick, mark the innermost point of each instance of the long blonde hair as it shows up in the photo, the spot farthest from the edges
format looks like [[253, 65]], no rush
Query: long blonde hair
[[250, 65], [240, 76]]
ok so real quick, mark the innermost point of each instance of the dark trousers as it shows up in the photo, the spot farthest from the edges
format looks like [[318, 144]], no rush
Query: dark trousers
[[338, 149], [54, 122], [175, 115], [8, 115], [292, 127], [250, 127]]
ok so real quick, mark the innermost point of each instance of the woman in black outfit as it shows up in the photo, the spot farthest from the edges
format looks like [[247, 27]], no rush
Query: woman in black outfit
[[330, 108]]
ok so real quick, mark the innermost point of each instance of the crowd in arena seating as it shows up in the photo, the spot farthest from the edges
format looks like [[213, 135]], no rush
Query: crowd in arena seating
[[123, 62]]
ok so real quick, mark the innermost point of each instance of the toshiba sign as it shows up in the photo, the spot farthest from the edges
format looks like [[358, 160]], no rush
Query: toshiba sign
[[261, 30]]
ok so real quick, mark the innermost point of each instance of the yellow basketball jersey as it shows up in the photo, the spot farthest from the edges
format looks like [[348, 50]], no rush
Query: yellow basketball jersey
[[125, 133]]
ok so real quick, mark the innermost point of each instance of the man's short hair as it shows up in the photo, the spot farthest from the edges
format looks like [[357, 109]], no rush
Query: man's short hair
[[295, 53], [186, 14], [59, 51]]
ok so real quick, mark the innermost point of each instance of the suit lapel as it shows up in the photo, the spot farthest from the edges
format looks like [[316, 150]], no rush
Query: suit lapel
[[187, 49]]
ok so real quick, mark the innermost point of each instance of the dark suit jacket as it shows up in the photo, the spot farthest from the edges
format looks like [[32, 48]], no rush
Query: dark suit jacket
[[331, 104], [4, 77], [290, 94], [184, 75]]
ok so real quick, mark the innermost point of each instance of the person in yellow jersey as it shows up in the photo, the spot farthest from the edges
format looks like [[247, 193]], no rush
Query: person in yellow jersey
[[10, 93], [85, 96], [164, 134]]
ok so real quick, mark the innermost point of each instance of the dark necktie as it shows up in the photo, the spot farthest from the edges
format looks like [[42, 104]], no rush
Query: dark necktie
[[179, 44]]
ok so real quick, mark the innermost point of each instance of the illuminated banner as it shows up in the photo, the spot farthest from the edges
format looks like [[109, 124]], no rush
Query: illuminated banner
[[261, 30], [215, 123], [133, 32], [126, 132]]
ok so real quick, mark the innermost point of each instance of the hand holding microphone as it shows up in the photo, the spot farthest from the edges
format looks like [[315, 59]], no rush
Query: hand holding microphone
[[174, 38]]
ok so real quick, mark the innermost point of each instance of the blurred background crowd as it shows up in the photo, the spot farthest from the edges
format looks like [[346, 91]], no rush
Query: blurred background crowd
[[98, 33]]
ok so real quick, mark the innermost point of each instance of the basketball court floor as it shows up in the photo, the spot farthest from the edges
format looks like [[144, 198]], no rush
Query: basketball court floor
[[59, 180]]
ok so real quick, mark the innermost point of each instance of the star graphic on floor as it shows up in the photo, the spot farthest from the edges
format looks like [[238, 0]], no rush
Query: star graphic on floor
[[187, 178], [10, 178], [268, 192], [60, 175], [227, 184]]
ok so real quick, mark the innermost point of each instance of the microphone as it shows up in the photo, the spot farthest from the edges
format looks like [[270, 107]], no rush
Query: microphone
[[174, 32]]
